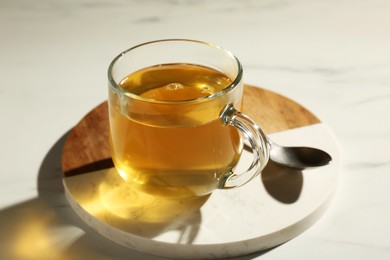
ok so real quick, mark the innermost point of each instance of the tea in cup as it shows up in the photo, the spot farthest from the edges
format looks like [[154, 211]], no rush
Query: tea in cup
[[175, 126]]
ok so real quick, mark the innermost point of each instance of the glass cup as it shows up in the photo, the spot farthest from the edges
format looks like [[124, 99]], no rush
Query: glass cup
[[175, 126]]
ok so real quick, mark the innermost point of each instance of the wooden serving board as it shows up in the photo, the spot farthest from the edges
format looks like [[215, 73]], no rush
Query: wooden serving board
[[263, 213], [87, 146]]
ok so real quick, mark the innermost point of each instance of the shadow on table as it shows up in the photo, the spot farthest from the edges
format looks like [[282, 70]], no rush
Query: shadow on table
[[46, 227]]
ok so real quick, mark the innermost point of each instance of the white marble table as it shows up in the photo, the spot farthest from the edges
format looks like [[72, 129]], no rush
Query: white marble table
[[333, 57]]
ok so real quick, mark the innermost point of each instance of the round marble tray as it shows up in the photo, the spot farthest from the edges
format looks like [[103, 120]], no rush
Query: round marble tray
[[273, 208]]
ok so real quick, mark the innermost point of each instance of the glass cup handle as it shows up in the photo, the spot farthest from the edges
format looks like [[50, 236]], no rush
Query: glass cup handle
[[258, 142]]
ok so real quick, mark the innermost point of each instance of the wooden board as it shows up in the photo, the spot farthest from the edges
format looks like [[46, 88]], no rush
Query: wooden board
[[266, 212], [87, 147]]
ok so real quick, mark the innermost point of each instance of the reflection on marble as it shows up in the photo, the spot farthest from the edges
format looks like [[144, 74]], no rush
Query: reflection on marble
[[330, 56], [105, 196]]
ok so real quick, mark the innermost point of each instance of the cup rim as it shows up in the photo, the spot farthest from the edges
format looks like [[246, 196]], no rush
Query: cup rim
[[222, 92]]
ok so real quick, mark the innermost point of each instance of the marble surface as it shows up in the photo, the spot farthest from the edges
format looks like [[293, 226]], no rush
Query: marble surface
[[331, 56]]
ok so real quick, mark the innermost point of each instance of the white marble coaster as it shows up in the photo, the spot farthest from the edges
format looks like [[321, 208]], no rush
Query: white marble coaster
[[276, 206]]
